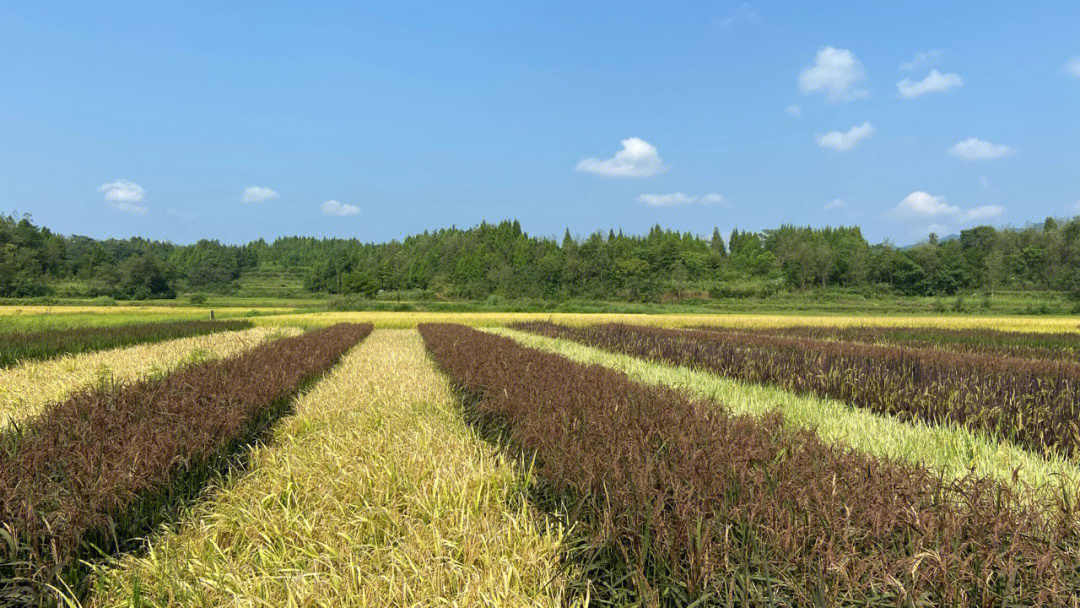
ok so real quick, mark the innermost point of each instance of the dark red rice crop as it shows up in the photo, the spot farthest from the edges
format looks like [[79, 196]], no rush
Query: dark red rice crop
[[694, 505], [86, 461], [1033, 403], [22, 346], [1028, 345]]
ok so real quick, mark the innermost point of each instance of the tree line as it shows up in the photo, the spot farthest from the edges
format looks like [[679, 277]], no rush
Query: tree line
[[502, 260]]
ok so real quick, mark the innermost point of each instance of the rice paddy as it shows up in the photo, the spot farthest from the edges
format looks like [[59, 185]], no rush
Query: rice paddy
[[372, 493], [26, 389], [333, 459], [380, 319], [950, 449]]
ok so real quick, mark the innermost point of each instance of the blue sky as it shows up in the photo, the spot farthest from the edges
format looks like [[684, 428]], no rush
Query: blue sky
[[384, 119]]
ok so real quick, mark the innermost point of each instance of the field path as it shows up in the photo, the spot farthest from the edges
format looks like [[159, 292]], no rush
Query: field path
[[373, 493], [27, 388]]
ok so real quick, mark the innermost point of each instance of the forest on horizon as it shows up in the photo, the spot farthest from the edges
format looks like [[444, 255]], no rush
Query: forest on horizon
[[504, 261]]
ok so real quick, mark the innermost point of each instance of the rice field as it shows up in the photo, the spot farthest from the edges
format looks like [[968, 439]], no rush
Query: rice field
[[37, 318], [373, 492], [44, 344], [28, 388], [524, 459], [380, 319]]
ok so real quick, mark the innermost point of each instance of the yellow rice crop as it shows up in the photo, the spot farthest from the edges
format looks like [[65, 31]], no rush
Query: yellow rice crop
[[382, 319], [39, 309], [27, 388], [373, 493]]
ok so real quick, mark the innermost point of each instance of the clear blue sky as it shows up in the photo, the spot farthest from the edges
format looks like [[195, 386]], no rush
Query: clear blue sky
[[151, 119]]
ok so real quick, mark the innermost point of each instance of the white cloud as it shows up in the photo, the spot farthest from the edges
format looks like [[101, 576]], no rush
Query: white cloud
[[123, 195], [974, 148], [837, 73], [678, 198], [836, 203], [919, 204], [922, 206], [638, 158], [258, 194], [1072, 68], [333, 207], [981, 213], [844, 141], [794, 110], [123, 190], [919, 59], [935, 82]]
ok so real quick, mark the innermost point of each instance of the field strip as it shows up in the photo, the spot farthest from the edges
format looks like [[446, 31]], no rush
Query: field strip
[[56, 309], [373, 493], [386, 319], [26, 389], [947, 448]]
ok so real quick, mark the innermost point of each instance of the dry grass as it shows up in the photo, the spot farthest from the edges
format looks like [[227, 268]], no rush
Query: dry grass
[[26, 389], [383, 319], [374, 493]]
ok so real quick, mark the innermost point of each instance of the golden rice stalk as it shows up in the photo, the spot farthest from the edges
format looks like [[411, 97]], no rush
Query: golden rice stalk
[[385, 319], [373, 493]]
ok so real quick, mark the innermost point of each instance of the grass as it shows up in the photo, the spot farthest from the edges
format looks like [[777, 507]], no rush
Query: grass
[[28, 388], [950, 449], [391, 319], [373, 493], [271, 281]]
